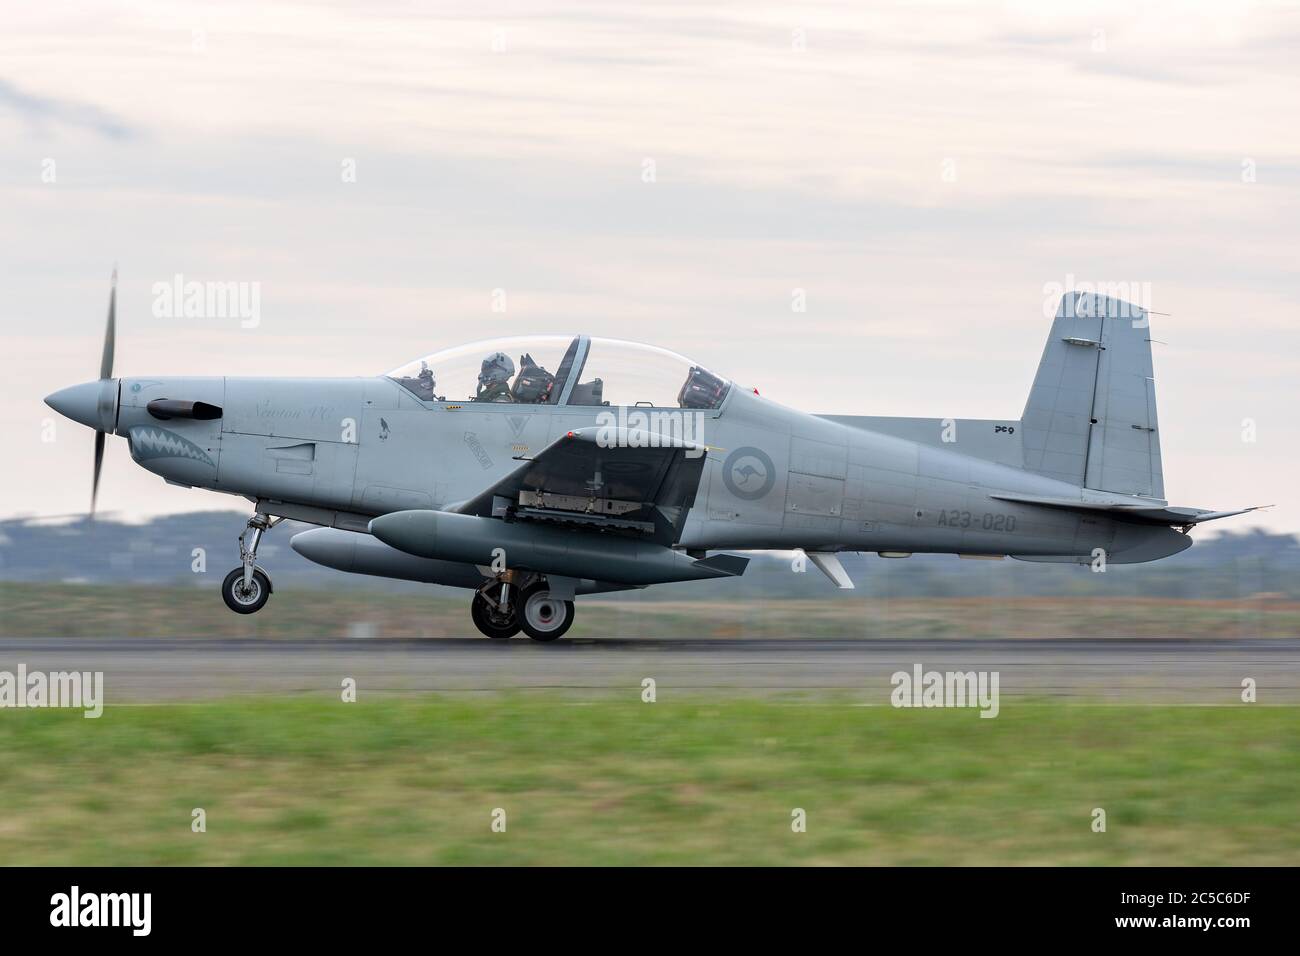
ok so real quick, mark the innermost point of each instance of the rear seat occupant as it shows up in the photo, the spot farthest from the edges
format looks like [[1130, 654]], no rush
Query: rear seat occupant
[[534, 384]]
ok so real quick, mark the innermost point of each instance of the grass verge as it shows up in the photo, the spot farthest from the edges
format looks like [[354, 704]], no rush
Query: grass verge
[[28, 610], [416, 780]]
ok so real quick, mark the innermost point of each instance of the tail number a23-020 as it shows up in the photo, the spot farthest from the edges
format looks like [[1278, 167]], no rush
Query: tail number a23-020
[[988, 521]]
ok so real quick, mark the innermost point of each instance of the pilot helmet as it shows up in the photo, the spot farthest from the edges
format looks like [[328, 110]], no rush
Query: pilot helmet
[[497, 367]]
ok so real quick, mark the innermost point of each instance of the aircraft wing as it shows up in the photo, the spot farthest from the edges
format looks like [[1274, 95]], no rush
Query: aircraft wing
[[1139, 511], [602, 477]]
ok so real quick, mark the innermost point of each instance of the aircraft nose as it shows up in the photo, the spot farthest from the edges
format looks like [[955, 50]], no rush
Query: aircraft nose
[[81, 403]]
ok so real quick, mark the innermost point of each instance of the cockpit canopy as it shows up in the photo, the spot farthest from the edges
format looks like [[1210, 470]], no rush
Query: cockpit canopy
[[562, 370]]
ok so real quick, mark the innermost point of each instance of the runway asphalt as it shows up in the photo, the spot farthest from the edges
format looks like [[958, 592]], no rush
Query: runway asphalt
[[1158, 671]]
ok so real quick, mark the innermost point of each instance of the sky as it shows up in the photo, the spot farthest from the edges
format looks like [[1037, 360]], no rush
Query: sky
[[860, 208]]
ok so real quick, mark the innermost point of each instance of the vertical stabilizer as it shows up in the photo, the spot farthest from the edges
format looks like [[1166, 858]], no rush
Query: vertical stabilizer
[[1091, 415]]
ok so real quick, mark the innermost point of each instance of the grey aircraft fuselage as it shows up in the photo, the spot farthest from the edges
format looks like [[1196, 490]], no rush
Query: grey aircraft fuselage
[[543, 487], [338, 452]]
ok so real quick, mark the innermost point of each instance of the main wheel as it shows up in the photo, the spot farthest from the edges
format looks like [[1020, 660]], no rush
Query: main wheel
[[543, 617], [243, 601], [491, 621]]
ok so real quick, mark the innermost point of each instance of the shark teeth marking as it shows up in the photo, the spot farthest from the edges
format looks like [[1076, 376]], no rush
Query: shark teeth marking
[[148, 442]]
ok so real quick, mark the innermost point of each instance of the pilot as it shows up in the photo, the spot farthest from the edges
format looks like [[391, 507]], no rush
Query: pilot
[[494, 379], [425, 384]]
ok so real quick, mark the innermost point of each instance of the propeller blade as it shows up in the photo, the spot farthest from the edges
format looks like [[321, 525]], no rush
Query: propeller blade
[[99, 463], [110, 334]]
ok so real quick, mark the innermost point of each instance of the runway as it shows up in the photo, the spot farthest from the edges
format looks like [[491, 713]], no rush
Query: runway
[[1157, 671]]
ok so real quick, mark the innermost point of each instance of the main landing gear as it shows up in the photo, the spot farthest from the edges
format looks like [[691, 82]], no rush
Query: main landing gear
[[511, 603], [247, 588]]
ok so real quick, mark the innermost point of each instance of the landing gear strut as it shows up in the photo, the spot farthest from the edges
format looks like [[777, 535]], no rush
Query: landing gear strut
[[494, 609], [248, 587], [505, 605]]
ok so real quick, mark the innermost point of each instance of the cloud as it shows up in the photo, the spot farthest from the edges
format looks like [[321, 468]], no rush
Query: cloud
[[42, 111], [822, 168]]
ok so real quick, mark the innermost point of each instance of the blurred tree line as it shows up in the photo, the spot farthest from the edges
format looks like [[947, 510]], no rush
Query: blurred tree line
[[169, 550]]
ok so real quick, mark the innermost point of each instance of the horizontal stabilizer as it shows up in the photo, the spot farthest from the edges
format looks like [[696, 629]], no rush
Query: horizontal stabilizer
[[1139, 511]]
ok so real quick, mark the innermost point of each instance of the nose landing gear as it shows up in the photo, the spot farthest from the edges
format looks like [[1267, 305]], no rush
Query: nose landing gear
[[247, 588]]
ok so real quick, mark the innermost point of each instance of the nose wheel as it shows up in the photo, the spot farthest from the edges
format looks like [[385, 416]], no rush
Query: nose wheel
[[245, 598], [247, 588]]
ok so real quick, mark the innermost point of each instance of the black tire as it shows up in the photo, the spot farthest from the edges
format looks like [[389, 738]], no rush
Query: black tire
[[488, 620], [232, 591], [542, 617]]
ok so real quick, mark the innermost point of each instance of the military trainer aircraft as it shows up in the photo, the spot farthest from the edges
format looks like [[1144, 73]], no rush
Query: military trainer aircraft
[[532, 470]]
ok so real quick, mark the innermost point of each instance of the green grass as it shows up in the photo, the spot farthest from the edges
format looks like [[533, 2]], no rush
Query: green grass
[[415, 781]]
